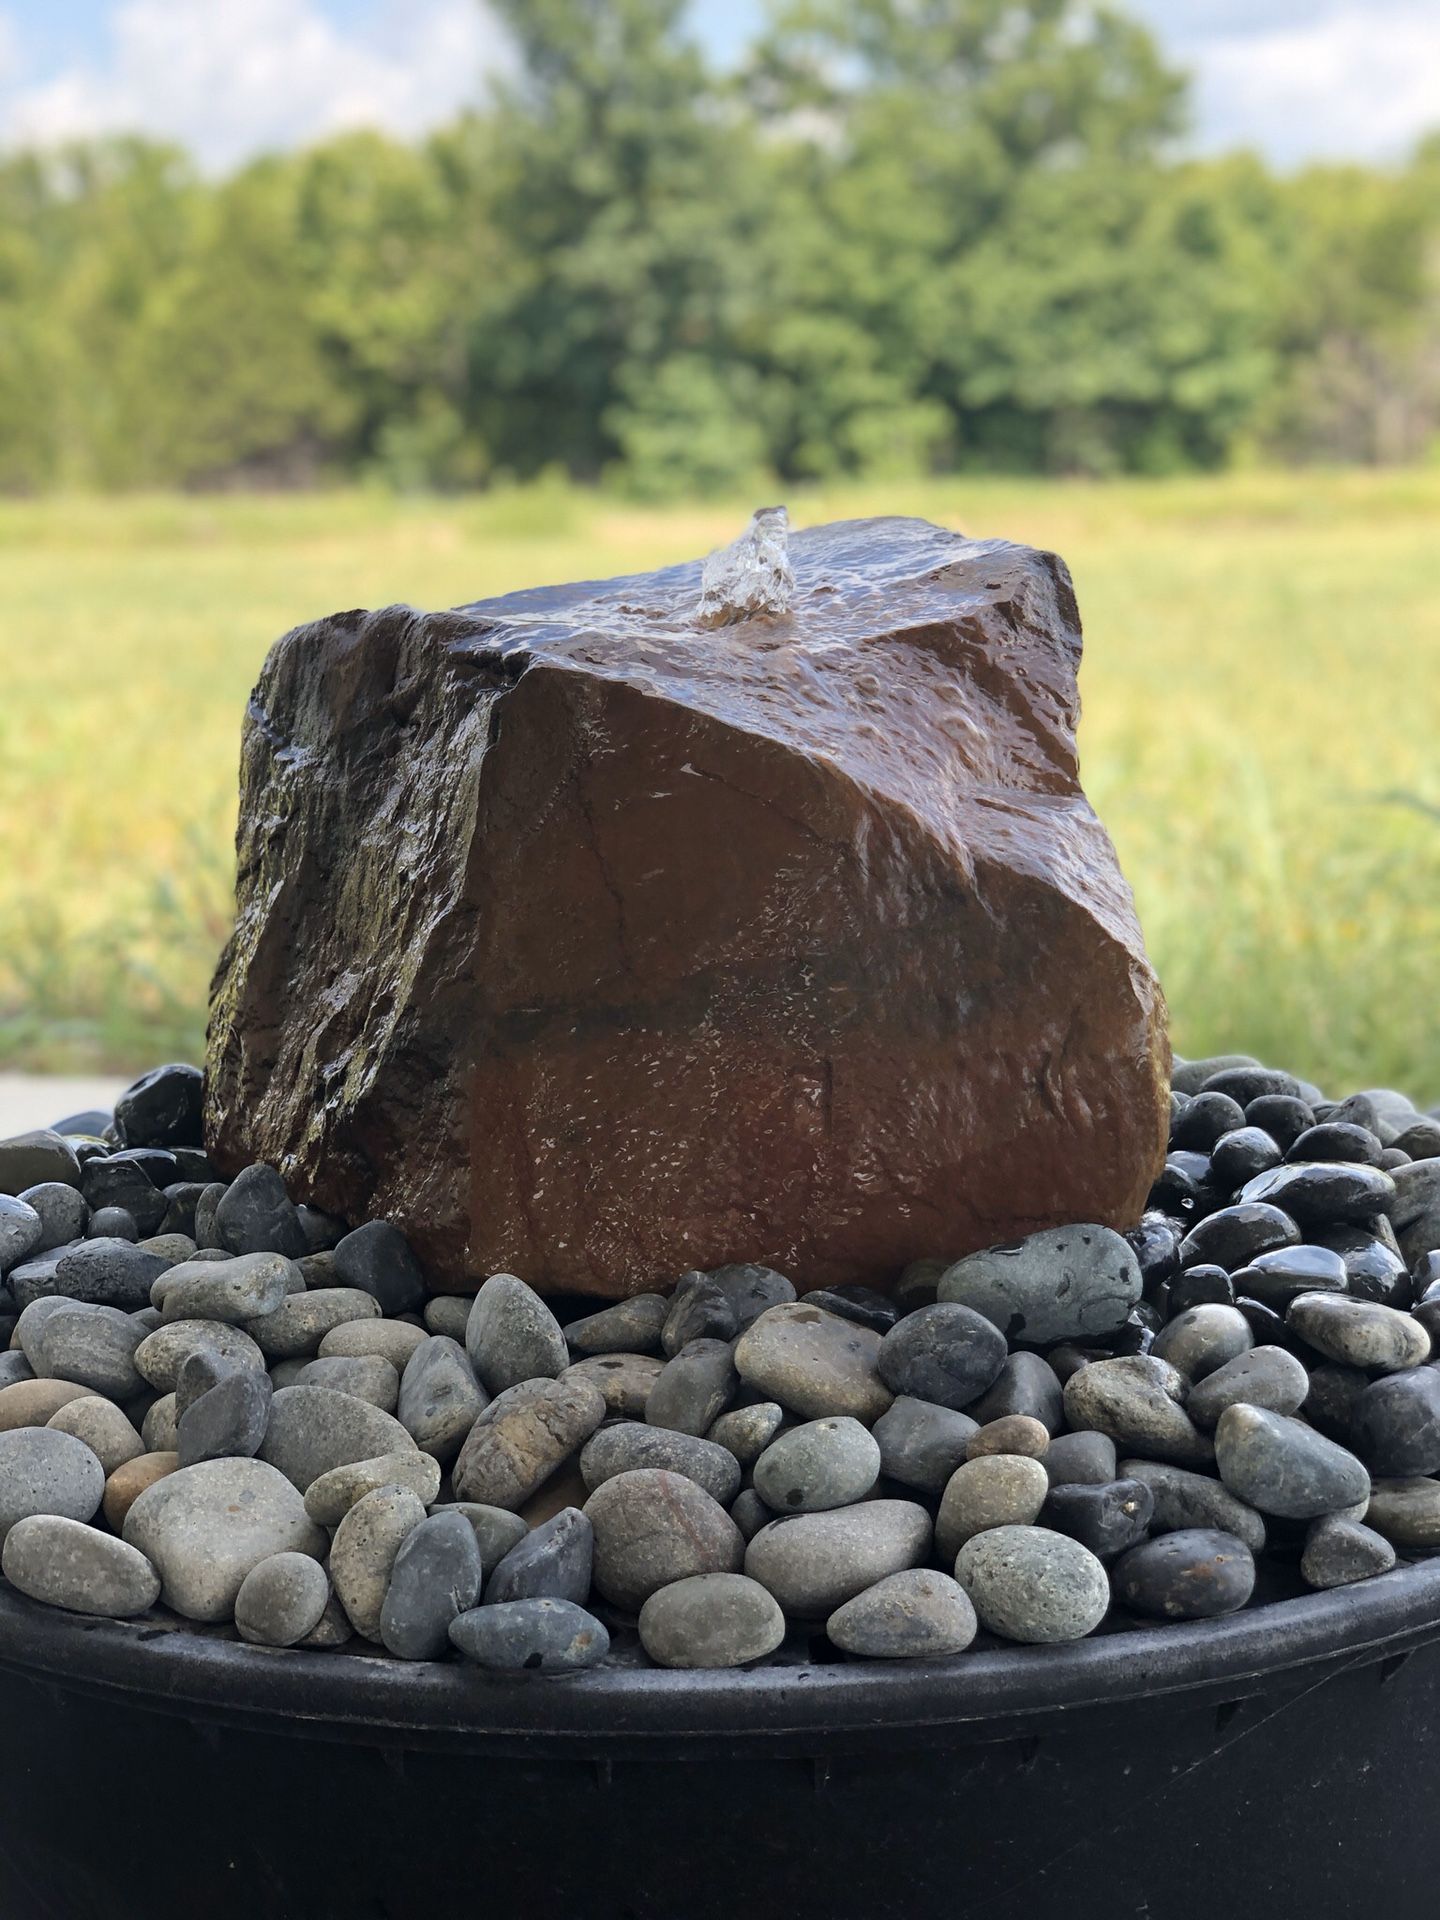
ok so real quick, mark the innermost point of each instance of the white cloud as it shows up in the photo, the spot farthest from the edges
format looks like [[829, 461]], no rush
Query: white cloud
[[1327, 79], [238, 77]]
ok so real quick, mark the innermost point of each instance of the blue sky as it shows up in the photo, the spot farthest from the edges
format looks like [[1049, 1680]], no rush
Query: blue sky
[[1297, 78]]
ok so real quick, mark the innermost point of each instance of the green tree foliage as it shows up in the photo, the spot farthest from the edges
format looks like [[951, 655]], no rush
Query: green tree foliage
[[908, 235]]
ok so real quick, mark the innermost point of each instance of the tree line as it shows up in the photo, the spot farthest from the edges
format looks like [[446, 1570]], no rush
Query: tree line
[[904, 236]]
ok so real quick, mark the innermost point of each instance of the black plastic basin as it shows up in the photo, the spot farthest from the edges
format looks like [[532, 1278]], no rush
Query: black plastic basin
[[1283, 1763]]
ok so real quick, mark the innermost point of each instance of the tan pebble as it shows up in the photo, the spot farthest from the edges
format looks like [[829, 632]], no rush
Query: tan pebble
[[1013, 1433], [33, 1403], [997, 1490], [103, 1427], [127, 1483]]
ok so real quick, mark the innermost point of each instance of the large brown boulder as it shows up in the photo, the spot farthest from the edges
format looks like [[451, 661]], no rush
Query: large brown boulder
[[590, 937]]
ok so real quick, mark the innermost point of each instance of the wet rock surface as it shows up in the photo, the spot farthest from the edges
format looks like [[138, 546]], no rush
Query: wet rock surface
[[819, 780]]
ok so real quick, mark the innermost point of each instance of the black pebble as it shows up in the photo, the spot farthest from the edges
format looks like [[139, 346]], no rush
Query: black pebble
[[1107, 1519], [1336, 1140], [163, 1108], [1235, 1235], [1239, 1156], [1201, 1286], [1205, 1120], [1195, 1574], [1280, 1115]]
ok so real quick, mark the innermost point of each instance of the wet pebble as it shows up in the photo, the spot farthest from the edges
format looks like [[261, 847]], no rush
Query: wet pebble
[[1065, 1283], [947, 1354], [1194, 1574], [1358, 1333], [1263, 1377]]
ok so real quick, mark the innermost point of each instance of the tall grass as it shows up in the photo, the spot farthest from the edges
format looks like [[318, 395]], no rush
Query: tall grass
[[1262, 730]]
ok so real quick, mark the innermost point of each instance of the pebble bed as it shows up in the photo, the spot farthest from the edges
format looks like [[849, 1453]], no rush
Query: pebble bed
[[219, 1406]]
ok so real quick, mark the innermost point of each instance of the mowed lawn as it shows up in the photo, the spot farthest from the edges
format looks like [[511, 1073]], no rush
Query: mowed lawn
[[1261, 733]]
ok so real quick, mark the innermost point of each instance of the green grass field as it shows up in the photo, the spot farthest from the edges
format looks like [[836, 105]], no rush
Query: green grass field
[[1262, 729]]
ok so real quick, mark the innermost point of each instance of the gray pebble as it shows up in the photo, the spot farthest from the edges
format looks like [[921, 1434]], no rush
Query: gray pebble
[[1197, 1573], [440, 1398], [653, 1527], [531, 1636], [694, 1388], [630, 1445], [701, 1312], [814, 1363], [298, 1325], [915, 1615], [1202, 1339], [282, 1600], [817, 1466], [377, 1258], [234, 1291], [64, 1563], [711, 1620], [1358, 1333], [1265, 1377], [553, 1562], [947, 1353], [1065, 1283], [160, 1427], [62, 1211], [1080, 1460], [313, 1429], [1138, 1401], [255, 1215], [630, 1326], [921, 1444], [207, 1234], [108, 1273], [112, 1223], [814, 1562], [1406, 1511], [102, 1427], [36, 1158], [994, 1490], [1184, 1499], [229, 1419], [394, 1340], [745, 1432], [524, 1434], [162, 1354], [749, 1512], [751, 1290], [1339, 1552], [362, 1554], [512, 1335], [47, 1472], [1032, 1585], [14, 1367], [496, 1530], [448, 1314], [626, 1380], [204, 1527], [21, 1232], [330, 1497], [435, 1578], [1281, 1466], [367, 1376], [1025, 1384], [92, 1346]]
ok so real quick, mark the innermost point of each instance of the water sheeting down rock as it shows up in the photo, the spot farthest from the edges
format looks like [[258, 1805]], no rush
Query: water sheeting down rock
[[593, 943]]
